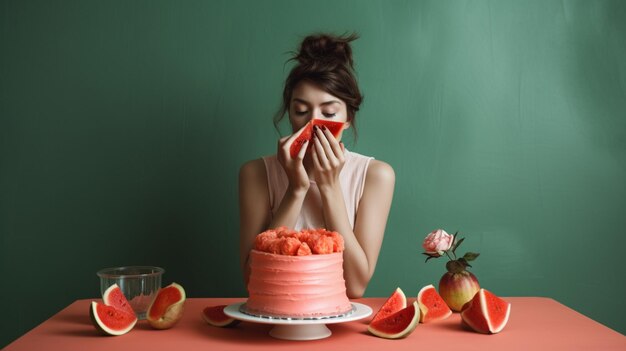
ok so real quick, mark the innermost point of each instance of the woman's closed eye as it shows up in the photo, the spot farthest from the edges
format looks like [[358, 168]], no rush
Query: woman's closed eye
[[328, 115]]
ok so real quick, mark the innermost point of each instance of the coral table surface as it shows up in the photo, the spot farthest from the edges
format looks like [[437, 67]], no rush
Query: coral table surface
[[536, 323]]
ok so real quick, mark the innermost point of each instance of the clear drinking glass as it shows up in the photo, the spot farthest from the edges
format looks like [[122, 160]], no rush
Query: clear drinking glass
[[139, 284]]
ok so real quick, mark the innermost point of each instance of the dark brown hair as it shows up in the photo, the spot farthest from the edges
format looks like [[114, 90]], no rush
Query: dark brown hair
[[326, 61]]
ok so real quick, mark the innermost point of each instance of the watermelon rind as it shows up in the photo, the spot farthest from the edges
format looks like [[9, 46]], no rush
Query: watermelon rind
[[375, 327], [225, 321], [424, 315], [389, 307], [101, 325]]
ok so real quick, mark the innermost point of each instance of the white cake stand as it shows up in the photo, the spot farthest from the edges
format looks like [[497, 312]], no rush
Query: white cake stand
[[299, 329]]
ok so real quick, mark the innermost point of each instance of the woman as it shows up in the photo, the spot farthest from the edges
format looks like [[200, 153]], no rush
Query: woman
[[325, 186]]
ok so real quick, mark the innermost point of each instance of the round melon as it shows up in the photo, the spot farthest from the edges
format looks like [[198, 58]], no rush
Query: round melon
[[398, 325], [167, 307], [486, 313], [110, 320], [432, 306], [394, 303], [215, 316], [113, 296]]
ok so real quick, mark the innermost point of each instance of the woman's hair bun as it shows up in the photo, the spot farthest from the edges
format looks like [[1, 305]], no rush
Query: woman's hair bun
[[326, 49]]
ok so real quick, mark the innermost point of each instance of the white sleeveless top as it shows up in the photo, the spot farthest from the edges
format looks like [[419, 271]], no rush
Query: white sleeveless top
[[351, 178]]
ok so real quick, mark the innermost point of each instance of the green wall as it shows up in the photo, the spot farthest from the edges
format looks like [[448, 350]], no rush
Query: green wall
[[123, 125]]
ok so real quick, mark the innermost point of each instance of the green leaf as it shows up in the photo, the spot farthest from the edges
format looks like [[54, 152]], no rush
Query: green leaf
[[470, 256], [463, 262], [456, 245], [429, 257]]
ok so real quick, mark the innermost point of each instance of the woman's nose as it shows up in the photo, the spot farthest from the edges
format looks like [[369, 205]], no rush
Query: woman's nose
[[317, 115]]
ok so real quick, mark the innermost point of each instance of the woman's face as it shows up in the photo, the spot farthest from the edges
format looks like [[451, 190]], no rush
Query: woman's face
[[310, 102]]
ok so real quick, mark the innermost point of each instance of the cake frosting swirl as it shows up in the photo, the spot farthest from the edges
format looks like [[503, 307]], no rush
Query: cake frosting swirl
[[296, 286]]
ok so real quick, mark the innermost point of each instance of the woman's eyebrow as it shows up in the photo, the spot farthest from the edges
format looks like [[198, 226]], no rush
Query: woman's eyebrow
[[323, 103]]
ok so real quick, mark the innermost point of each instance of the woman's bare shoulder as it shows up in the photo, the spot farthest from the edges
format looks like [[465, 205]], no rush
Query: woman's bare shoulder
[[253, 169], [380, 171]]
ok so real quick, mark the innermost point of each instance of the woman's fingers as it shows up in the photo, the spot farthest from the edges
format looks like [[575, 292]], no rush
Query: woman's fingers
[[331, 148], [323, 140], [333, 143], [315, 157], [302, 151], [282, 141], [320, 154]]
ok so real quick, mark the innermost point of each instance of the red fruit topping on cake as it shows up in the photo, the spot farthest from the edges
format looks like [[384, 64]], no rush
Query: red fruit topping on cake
[[284, 241], [285, 232], [304, 250], [215, 316], [432, 306], [338, 245], [397, 325], [394, 303], [486, 312], [289, 246], [323, 245]]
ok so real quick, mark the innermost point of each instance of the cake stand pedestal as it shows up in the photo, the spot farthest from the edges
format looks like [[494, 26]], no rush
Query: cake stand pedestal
[[299, 329]]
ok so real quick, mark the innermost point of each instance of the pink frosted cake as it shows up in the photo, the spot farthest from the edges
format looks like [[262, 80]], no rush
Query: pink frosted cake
[[297, 278]]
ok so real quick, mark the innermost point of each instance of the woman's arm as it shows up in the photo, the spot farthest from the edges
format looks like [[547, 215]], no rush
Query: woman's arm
[[362, 245], [255, 214], [254, 208]]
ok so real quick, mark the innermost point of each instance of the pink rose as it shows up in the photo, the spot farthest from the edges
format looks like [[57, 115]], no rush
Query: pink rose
[[437, 242]]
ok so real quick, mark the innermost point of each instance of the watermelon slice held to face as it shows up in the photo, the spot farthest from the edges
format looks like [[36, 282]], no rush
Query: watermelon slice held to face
[[432, 305], [334, 127]]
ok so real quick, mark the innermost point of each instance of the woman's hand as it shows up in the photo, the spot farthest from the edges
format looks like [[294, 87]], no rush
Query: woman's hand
[[328, 158], [298, 179]]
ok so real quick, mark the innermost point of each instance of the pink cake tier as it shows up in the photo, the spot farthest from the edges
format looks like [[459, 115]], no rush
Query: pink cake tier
[[297, 286]]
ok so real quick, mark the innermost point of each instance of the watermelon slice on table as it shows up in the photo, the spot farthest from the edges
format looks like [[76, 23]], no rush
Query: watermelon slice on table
[[486, 312], [432, 306], [397, 325], [334, 127], [110, 320], [113, 296], [215, 316], [394, 303]]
